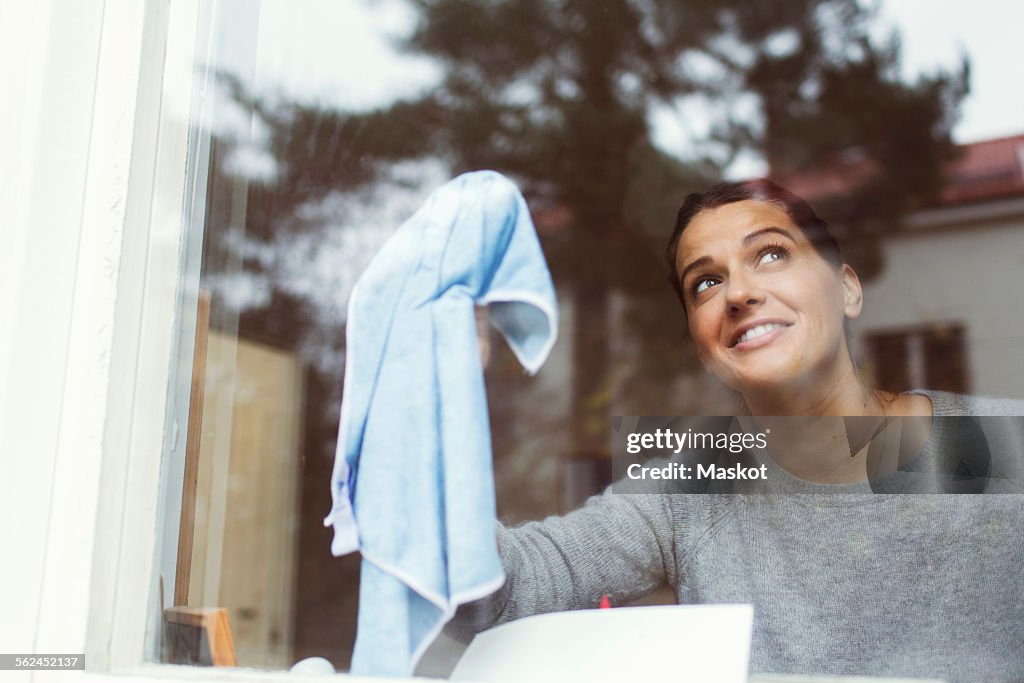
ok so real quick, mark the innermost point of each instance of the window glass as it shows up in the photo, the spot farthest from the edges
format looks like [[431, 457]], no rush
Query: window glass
[[283, 215], [319, 126]]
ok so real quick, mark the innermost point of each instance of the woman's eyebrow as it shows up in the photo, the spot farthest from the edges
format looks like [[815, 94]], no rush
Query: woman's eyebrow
[[758, 233], [705, 260], [702, 261]]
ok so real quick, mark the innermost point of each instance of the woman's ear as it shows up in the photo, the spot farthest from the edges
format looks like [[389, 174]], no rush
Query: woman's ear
[[854, 294]]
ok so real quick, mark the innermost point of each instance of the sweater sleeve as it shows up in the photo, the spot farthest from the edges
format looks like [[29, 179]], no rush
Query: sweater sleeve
[[617, 544]]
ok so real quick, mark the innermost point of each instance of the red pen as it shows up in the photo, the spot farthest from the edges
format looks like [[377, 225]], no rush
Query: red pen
[[605, 602]]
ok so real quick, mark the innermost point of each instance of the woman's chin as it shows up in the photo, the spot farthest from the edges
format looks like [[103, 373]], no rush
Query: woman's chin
[[780, 378], [784, 369]]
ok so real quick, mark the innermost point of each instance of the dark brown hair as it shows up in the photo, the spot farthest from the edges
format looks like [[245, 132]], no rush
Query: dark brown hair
[[762, 189]]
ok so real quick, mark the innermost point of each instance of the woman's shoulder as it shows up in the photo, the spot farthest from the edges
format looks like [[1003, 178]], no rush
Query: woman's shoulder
[[945, 403]]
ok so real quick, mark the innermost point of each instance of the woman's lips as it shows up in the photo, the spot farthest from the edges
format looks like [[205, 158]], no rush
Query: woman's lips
[[777, 329]]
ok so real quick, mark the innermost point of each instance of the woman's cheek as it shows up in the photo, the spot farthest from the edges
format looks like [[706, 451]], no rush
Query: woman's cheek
[[702, 331]]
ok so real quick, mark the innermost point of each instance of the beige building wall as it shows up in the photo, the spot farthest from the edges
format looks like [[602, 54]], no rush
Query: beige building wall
[[969, 271]]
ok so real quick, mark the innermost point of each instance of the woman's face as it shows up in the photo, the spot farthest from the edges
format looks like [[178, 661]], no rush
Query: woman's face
[[765, 310]]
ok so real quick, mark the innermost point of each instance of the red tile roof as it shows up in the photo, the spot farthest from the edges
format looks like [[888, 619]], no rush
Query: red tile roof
[[986, 170]]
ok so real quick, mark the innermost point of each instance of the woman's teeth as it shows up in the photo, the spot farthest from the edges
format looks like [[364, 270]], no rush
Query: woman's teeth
[[755, 332]]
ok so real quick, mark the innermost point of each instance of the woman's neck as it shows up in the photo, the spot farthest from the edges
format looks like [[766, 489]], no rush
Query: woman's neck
[[809, 433], [824, 433], [840, 392]]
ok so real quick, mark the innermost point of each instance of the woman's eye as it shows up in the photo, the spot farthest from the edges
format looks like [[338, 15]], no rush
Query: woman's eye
[[703, 284], [771, 255]]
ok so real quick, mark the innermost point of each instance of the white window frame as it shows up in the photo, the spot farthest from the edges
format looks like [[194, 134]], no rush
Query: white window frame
[[122, 74]]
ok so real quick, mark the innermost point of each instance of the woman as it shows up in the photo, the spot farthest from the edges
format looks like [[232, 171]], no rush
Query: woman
[[842, 581]]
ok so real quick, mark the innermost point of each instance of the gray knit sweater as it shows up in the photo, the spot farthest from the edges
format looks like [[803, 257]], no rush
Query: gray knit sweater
[[842, 581]]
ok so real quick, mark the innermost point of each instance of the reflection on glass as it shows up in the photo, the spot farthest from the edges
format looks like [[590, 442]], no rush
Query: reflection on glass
[[328, 123]]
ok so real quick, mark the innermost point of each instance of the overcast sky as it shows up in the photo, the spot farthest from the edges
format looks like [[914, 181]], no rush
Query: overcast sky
[[990, 32], [339, 52]]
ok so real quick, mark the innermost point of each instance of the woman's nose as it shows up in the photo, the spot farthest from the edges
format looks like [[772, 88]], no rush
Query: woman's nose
[[742, 292]]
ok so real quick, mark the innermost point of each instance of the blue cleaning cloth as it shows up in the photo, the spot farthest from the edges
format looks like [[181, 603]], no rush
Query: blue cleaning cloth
[[413, 487]]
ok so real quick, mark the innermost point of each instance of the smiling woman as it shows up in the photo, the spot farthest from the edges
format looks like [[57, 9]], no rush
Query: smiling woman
[[767, 298]]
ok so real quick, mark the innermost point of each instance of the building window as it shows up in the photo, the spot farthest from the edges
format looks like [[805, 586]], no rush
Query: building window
[[927, 357]]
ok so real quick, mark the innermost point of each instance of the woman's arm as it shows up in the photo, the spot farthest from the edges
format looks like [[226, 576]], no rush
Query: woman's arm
[[617, 544]]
